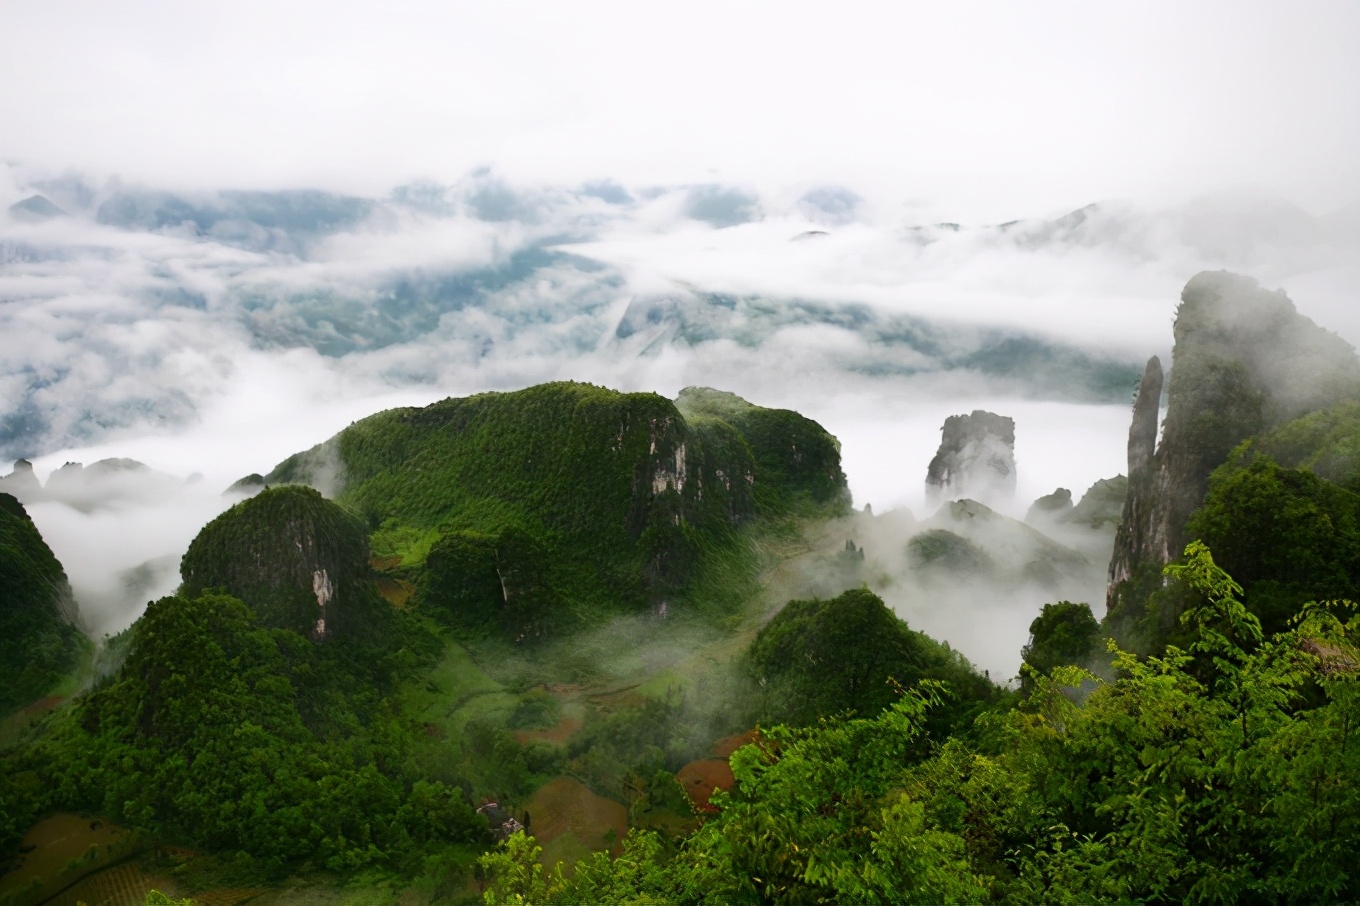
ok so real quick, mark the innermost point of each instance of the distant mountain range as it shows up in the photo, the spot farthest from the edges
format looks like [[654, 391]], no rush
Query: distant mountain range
[[436, 282]]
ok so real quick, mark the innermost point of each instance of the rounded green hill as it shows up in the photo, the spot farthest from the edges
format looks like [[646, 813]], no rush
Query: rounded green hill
[[299, 560]]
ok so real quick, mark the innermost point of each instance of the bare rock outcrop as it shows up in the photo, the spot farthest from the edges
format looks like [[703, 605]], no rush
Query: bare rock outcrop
[[23, 483], [1244, 361], [976, 459]]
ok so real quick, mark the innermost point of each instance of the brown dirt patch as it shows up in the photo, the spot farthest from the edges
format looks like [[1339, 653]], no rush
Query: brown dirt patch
[[396, 592], [700, 778], [69, 852], [724, 747], [12, 727], [43, 705]]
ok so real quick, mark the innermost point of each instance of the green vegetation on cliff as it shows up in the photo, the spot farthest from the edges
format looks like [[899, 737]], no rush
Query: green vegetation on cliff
[[281, 715], [1279, 525], [545, 508], [1326, 443], [39, 643], [227, 735]]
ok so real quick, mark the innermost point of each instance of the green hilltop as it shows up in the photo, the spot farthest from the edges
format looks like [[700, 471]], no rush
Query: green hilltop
[[300, 560], [530, 511]]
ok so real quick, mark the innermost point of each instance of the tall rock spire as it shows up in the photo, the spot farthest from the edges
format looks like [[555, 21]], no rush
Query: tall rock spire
[[1137, 538], [1244, 361], [976, 459]]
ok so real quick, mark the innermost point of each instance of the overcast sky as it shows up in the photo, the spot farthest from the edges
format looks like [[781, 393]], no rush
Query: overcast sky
[[970, 111]]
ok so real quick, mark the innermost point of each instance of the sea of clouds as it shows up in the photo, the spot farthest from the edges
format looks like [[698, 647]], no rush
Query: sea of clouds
[[213, 334]]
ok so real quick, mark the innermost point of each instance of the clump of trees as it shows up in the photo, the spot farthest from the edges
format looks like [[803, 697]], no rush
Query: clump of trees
[[239, 738], [821, 658], [1221, 771]]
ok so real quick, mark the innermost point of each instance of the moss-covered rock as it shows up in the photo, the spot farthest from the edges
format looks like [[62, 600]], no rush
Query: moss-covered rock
[[796, 459], [1050, 507], [1102, 504]]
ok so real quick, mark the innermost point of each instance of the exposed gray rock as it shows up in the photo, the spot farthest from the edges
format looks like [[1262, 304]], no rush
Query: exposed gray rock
[[1244, 361], [976, 459], [23, 483]]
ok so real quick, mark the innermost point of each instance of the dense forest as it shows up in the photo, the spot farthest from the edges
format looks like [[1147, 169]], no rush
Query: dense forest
[[568, 645]]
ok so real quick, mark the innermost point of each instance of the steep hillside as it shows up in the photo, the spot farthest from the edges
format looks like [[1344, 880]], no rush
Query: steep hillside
[[1283, 514], [39, 641], [796, 459]]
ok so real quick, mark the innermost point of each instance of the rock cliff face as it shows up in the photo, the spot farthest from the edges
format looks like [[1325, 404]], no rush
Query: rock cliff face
[[1244, 361], [1141, 535], [976, 459]]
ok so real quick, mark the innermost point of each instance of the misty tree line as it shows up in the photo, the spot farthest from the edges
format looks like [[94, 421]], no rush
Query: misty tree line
[[1225, 770]]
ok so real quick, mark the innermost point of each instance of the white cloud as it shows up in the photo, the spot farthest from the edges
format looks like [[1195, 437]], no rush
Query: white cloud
[[981, 108]]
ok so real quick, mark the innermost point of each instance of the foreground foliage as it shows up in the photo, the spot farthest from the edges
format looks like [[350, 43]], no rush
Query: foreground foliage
[[1228, 770], [236, 738]]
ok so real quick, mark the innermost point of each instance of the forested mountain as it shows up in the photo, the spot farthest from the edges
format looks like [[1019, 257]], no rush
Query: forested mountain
[[571, 645], [540, 509], [40, 641]]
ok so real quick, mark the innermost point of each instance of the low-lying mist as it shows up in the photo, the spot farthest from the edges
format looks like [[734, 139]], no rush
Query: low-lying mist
[[216, 333], [122, 539]]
